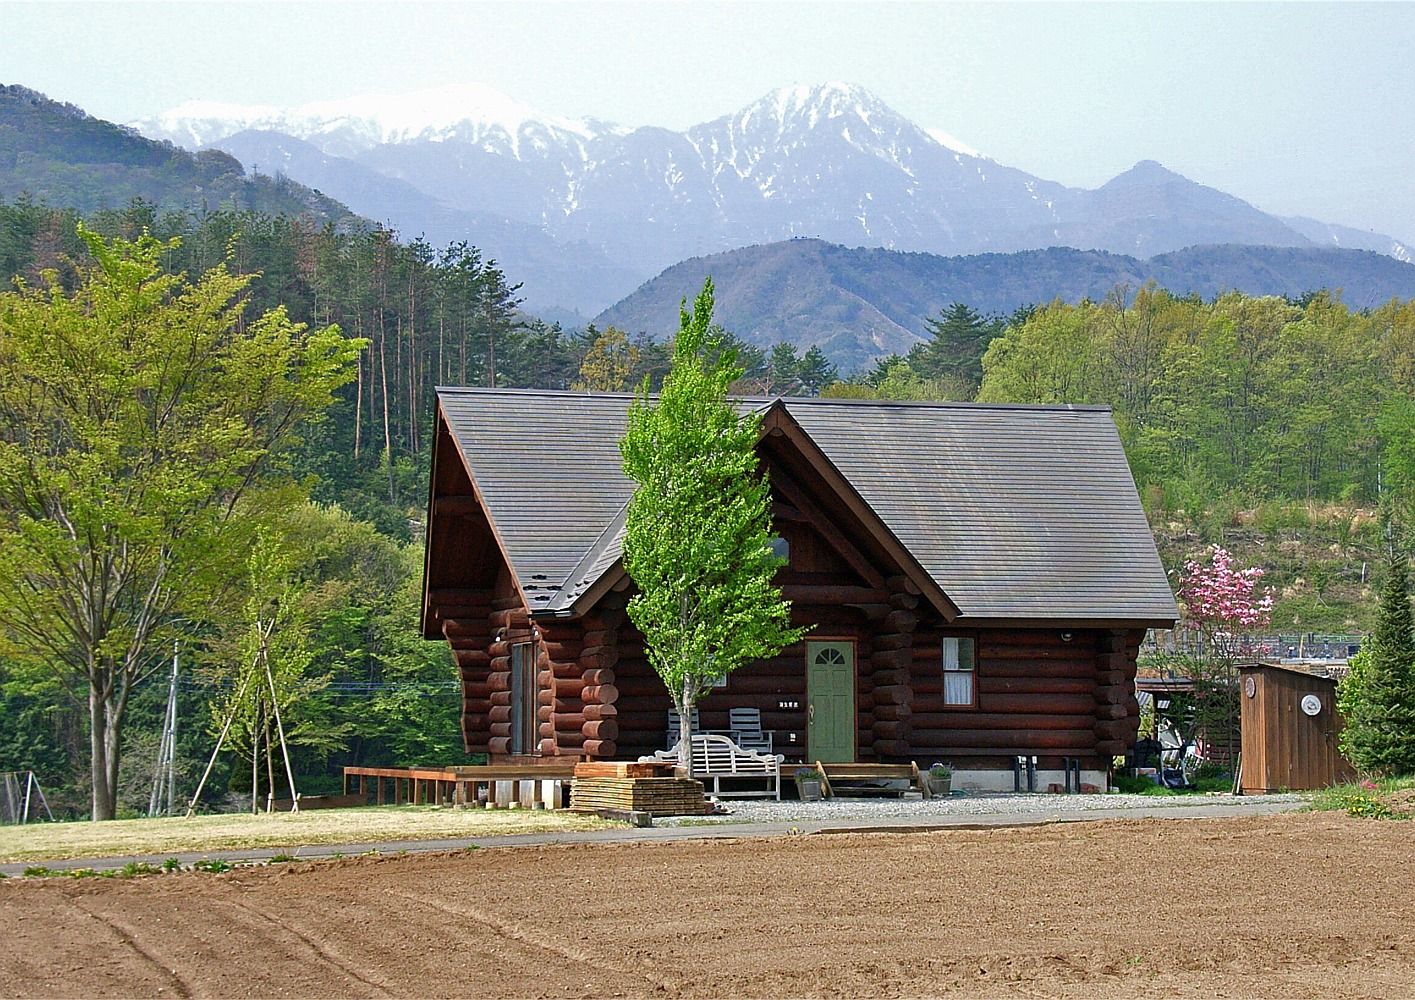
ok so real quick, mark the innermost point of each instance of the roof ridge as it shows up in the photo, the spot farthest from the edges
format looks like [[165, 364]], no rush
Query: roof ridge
[[922, 404]]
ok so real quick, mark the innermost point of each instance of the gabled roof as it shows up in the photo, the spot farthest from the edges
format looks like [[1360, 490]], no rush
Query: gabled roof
[[1014, 512]]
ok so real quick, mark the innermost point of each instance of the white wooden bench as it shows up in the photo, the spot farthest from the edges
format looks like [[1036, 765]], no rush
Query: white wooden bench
[[717, 757]]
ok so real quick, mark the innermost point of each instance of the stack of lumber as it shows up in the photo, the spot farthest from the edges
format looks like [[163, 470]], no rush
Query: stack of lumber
[[603, 786]]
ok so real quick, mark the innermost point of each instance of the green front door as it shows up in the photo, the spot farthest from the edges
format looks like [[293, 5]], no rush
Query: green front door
[[830, 701]]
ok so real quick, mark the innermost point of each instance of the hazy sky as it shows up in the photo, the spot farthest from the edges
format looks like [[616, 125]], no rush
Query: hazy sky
[[1300, 109]]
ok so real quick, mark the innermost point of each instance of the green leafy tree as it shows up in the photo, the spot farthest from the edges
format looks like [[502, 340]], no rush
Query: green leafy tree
[[698, 533], [608, 363], [1377, 698], [142, 419]]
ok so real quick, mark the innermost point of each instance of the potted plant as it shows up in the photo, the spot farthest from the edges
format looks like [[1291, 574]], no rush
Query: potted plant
[[808, 784], [940, 779]]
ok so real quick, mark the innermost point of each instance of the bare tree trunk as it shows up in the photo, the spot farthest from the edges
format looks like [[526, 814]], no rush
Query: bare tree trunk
[[684, 699], [104, 794], [387, 434], [359, 395]]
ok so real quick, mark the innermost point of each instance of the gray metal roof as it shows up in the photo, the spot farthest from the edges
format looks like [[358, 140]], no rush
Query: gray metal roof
[[1015, 511]]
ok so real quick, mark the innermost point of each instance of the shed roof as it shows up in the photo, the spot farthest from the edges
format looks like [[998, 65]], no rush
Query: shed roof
[[1016, 512]]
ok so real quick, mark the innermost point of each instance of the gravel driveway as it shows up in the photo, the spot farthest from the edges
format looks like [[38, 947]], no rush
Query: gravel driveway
[[973, 804]]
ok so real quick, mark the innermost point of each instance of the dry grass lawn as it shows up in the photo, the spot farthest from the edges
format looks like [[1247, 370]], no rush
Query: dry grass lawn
[[61, 841]]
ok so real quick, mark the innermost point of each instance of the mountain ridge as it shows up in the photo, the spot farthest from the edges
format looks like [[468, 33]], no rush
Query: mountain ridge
[[859, 304], [829, 161]]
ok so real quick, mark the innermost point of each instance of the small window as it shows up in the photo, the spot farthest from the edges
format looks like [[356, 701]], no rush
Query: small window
[[525, 699], [781, 548], [959, 680]]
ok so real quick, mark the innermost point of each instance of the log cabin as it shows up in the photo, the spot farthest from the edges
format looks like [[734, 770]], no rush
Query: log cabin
[[977, 580]]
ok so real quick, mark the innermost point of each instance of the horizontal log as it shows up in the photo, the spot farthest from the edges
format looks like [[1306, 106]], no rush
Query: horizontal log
[[993, 648], [1116, 729], [499, 744], [900, 621], [479, 690], [459, 596], [891, 731], [466, 627], [890, 713], [1107, 678], [893, 694], [891, 748], [1045, 704], [1112, 748], [900, 583], [600, 656], [603, 729], [891, 641], [601, 749], [828, 595], [889, 677], [891, 659], [568, 687], [604, 694], [563, 651], [500, 713], [991, 684], [509, 619], [473, 645], [1114, 694], [507, 602], [1023, 739], [1105, 712], [594, 638], [597, 676], [743, 683], [997, 667], [1002, 723]]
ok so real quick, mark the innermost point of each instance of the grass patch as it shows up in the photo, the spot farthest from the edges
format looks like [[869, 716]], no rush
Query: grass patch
[[373, 824], [1387, 798], [1144, 786]]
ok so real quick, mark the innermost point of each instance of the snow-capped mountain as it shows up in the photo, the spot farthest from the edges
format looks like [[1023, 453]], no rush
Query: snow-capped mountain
[[466, 113], [830, 161]]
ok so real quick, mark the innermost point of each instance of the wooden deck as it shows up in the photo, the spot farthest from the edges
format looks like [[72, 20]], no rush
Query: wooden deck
[[457, 786]]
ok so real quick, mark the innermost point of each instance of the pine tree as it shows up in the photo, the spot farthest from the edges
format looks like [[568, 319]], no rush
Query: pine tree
[[1378, 696]]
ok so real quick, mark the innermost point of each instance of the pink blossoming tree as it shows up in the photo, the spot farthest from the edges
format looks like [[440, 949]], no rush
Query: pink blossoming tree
[[1221, 602]]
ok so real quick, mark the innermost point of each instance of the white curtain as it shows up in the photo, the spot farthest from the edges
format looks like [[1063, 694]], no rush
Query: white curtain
[[958, 687]]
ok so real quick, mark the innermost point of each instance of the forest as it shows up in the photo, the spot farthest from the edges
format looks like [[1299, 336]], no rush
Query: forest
[[1241, 416]]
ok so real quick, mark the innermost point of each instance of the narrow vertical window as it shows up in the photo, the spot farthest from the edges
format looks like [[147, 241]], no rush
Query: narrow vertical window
[[525, 699], [959, 682]]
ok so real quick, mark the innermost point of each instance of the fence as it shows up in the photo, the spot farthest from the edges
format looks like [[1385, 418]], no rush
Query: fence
[[1279, 646]]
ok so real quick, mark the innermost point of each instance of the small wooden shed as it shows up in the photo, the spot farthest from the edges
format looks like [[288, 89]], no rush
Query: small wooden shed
[[1290, 727]]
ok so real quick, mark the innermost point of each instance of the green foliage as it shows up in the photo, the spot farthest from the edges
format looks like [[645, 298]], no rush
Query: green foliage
[[142, 422], [698, 531], [1377, 697], [609, 363], [1387, 798], [960, 337], [213, 865]]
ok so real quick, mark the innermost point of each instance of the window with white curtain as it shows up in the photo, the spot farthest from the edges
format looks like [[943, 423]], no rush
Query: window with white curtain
[[959, 684]]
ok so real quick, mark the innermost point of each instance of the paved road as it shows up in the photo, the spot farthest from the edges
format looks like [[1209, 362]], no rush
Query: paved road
[[716, 830]]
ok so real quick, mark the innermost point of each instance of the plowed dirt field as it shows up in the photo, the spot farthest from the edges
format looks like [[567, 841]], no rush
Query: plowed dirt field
[[1296, 905]]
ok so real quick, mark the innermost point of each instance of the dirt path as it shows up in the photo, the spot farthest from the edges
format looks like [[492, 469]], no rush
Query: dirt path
[[1302, 905]]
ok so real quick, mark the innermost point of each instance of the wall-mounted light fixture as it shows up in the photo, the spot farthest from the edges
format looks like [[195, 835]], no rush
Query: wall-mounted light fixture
[[1066, 637]]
